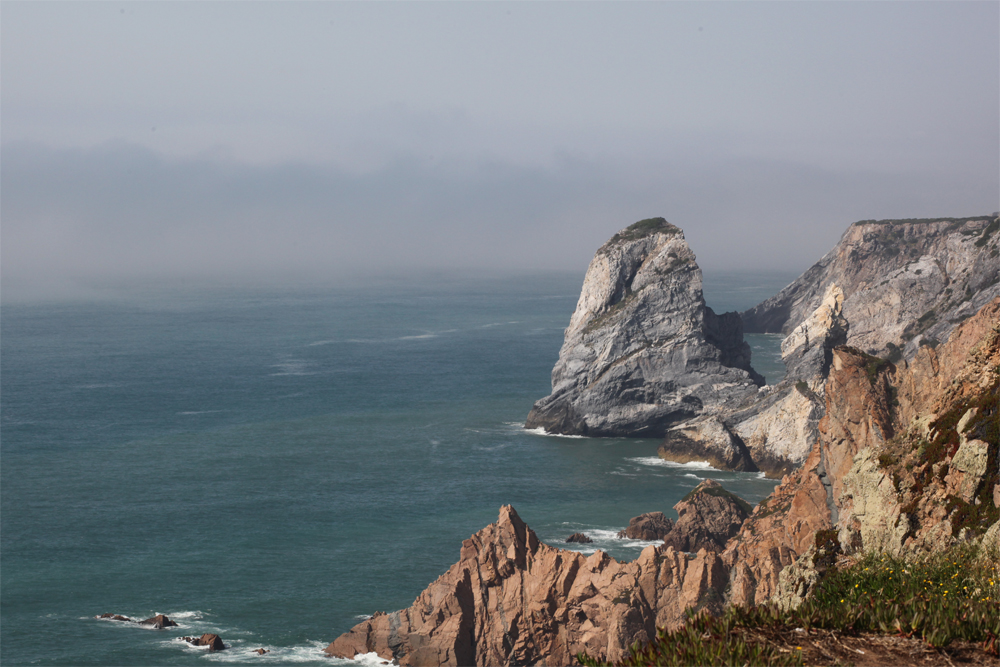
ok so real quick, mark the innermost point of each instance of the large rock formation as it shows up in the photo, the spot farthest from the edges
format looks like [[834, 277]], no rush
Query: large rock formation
[[906, 460], [887, 288], [642, 351], [904, 282], [511, 600], [649, 526]]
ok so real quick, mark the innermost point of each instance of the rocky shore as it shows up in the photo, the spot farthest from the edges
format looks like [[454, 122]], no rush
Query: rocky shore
[[906, 462]]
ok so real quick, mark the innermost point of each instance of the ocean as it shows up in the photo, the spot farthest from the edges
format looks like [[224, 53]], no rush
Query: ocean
[[273, 465]]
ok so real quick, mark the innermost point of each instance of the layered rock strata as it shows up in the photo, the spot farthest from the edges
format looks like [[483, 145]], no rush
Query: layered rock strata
[[905, 282], [511, 600], [642, 350], [906, 461], [887, 288]]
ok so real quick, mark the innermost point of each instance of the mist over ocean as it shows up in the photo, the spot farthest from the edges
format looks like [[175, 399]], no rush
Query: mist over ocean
[[273, 465]]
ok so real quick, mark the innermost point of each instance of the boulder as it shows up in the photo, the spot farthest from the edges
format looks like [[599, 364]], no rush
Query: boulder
[[650, 526], [579, 538], [261, 651], [212, 641], [159, 622], [706, 518]]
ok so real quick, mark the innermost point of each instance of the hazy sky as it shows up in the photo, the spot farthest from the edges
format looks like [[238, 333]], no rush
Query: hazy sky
[[259, 139]]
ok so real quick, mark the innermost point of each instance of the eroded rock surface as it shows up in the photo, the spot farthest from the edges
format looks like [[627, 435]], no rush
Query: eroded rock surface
[[706, 518], [642, 351], [511, 600]]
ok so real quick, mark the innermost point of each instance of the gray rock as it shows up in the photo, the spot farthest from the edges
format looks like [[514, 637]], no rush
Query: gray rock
[[642, 351]]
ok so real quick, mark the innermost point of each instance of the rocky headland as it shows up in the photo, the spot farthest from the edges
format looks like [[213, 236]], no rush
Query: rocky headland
[[906, 462], [888, 288], [642, 350]]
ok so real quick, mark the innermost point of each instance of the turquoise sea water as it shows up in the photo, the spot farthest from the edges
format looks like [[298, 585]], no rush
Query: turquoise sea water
[[273, 465]]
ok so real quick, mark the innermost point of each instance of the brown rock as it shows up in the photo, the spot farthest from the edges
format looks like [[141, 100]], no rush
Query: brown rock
[[512, 600], [116, 617], [261, 651], [650, 526], [707, 518], [579, 538], [159, 622], [213, 642]]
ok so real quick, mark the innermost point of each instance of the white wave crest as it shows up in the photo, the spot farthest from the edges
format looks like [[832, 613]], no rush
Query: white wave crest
[[657, 461], [542, 431]]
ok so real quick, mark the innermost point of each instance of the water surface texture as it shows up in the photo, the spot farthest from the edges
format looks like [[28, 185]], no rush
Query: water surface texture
[[272, 465]]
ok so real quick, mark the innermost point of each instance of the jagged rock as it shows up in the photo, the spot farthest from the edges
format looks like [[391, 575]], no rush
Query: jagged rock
[[116, 617], [770, 431], [159, 622], [878, 492], [642, 351], [904, 282], [511, 600], [261, 651], [707, 517], [212, 641], [799, 579], [579, 538], [648, 527]]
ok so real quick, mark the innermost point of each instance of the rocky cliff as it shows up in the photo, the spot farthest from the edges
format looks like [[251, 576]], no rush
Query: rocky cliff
[[642, 350], [888, 288], [905, 282], [511, 600], [906, 460]]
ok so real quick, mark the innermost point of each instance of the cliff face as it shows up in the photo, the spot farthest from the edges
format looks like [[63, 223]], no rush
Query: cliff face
[[904, 282], [888, 288], [642, 351], [906, 460], [511, 600]]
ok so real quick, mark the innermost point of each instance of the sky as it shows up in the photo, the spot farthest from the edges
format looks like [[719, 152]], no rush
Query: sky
[[268, 141]]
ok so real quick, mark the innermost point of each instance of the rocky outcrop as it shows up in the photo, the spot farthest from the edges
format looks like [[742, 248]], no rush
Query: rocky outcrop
[[159, 622], [642, 350], [579, 538], [906, 460], [511, 600], [706, 518], [212, 641], [650, 526], [904, 282]]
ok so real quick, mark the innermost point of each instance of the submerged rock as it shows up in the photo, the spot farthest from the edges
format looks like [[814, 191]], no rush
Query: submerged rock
[[648, 527], [579, 538], [116, 617], [642, 350]]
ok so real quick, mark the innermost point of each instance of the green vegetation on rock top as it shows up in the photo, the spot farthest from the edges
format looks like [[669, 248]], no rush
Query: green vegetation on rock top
[[642, 229], [921, 220]]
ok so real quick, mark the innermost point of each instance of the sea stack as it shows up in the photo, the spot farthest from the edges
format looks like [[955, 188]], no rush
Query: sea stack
[[642, 350]]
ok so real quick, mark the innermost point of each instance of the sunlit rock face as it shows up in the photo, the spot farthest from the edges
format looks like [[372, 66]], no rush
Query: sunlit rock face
[[642, 350]]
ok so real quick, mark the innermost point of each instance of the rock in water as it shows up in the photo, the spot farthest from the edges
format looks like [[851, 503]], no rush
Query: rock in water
[[212, 641], [511, 600], [642, 350], [159, 622], [579, 538], [115, 617], [648, 527], [707, 518]]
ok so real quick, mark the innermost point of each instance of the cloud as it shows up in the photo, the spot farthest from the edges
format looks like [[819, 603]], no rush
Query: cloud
[[118, 211]]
